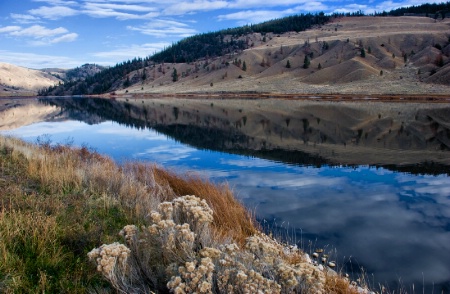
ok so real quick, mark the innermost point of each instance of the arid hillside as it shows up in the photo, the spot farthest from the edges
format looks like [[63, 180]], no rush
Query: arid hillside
[[21, 81], [373, 55]]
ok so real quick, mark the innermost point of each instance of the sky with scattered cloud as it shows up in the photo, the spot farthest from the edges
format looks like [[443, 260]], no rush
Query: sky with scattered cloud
[[66, 34]]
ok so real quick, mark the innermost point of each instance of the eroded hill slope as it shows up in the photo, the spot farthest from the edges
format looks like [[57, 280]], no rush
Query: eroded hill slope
[[347, 55]]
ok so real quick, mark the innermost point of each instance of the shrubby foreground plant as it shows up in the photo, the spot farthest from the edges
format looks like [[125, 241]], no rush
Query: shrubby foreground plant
[[179, 247]]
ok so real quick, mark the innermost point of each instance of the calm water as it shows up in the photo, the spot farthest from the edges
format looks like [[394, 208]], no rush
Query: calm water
[[391, 219]]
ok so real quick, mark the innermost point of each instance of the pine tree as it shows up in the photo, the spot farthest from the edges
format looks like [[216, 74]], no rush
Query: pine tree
[[306, 62], [363, 53], [127, 82], [288, 64], [174, 75], [244, 66]]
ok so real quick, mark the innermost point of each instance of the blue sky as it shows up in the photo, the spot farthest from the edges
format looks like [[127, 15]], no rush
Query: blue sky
[[69, 33]]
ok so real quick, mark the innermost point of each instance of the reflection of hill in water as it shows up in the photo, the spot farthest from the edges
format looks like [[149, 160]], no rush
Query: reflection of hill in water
[[16, 113], [409, 137]]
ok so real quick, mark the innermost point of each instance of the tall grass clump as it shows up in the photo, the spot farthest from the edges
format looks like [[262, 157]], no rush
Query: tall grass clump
[[230, 217], [59, 204]]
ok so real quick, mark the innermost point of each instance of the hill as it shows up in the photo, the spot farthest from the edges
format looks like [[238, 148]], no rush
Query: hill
[[20, 81], [75, 74], [402, 55], [378, 55], [340, 53]]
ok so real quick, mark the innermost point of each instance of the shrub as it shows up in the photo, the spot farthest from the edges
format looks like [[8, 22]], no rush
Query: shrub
[[179, 251]]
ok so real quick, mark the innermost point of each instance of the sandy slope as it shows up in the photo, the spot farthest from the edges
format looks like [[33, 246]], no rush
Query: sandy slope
[[343, 70], [16, 80]]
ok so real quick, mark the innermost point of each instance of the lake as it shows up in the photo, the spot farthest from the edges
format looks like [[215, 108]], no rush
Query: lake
[[366, 180]]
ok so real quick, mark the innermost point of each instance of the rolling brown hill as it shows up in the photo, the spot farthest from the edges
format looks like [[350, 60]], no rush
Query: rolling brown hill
[[21, 81], [403, 55]]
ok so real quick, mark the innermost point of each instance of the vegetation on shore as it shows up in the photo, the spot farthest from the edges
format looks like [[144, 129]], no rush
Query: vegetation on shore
[[59, 203]]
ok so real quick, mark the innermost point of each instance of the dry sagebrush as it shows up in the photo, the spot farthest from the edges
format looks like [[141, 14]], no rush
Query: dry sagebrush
[[177, 253]]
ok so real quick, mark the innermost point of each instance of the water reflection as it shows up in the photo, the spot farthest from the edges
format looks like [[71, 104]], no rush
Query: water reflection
[[395, 224], [406, 137]]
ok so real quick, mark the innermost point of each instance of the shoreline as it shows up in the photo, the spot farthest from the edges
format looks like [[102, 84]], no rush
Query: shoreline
[[415, 98], [435, 98]]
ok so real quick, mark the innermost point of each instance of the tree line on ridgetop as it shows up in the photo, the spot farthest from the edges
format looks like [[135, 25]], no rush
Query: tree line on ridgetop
[[214, 44]]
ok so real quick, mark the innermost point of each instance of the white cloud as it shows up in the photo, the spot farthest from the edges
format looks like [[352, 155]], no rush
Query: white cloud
[[57, 2], [193, 7], [312, 6], [40, 35], [37, 61], [65, 38], [101, 10], [109, 6], [257, 16], [252, 16], [53, 12], [25, 18], [164, 28], [38, 32], [128, 52], [260, 4], [9, 29], [94, 10]]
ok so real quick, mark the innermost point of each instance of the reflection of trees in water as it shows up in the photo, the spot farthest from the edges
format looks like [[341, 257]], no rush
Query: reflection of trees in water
[[219, 134]]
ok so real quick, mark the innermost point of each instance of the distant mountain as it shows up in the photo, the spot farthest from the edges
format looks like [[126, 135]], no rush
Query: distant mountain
[[75, 74], [83, 72]]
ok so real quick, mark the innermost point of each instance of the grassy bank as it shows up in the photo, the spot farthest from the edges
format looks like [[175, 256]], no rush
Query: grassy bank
[[58, 205]]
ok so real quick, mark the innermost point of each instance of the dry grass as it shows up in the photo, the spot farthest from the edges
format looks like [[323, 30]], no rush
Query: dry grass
[[231, 219], [335, 284], [57, 203]]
